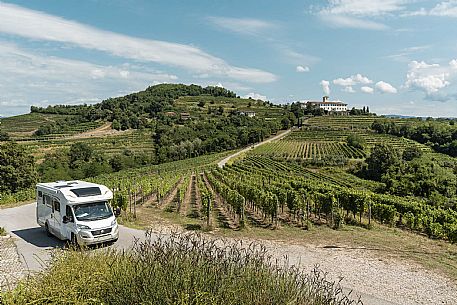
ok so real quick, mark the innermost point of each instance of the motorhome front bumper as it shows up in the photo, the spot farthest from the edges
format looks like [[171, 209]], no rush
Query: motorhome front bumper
[[91, 237]]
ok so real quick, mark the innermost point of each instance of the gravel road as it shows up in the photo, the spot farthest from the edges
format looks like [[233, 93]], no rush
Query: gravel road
[[378, 281]]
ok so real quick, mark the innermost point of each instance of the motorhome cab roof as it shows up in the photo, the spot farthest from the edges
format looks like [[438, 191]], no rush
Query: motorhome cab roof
[[77, 191]]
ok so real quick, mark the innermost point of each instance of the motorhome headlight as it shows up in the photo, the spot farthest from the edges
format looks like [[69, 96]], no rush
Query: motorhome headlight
[[83, 227], [113, 223]]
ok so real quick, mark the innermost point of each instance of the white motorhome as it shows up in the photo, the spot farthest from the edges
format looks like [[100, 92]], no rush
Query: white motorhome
[[77, 211]]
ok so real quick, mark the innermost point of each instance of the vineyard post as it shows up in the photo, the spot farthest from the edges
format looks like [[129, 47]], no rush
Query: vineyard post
[[307, 210], [369, 211], [130, 201], [179, 199], [208, 208], [134, 205]]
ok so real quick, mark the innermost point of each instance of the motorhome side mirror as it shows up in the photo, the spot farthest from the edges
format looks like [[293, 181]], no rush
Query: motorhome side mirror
[[117, 211], [67, 219]]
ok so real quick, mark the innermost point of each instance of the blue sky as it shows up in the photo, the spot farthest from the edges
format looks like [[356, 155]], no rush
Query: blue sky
[[395, 56]]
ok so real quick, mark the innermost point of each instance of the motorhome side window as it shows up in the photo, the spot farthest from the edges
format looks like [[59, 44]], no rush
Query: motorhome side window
[[56, 204], [40, 194], [47, 200], [68, 211]]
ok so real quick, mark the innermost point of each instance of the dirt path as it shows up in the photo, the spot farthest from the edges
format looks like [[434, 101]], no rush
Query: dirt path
[[104, 130], [187, 201], [379, 281], [170, 197], [279, 136]]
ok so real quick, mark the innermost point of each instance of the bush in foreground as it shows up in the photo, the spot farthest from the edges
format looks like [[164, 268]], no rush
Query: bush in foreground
[[176, 269]]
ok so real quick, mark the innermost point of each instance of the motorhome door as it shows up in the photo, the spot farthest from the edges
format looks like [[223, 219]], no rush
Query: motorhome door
[[56, 219]]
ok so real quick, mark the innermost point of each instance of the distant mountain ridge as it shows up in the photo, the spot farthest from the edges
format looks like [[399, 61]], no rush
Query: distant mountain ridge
[[401, 116]]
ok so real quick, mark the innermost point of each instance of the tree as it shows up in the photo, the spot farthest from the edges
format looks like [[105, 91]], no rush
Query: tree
[[116, 125], [80, 152], [411, 153], [381, 158], [17, 168], [356, 141]]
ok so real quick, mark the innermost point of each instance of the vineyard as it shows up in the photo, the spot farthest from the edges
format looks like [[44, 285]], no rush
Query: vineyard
[[135, 141], [349, 122], [326, 138], [261, 192], [309, 150], [22, 127], [370, 137]]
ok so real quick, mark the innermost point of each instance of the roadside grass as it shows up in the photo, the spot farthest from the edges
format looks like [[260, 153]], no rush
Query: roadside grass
[[16, 204], [383, 241], [2, 231], [175, 269]]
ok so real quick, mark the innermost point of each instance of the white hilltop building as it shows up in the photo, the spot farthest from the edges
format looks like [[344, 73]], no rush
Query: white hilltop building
[[326, 104]]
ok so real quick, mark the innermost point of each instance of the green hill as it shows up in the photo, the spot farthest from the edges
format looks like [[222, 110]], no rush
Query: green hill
[[163, 123]]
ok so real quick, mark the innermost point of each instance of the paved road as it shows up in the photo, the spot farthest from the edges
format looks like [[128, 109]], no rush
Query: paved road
[[276, 137], [34, 246]]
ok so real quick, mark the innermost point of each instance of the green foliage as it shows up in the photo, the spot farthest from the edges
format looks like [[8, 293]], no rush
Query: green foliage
[[2, 231], [80, 152], [68, 125], [120, 200], [411, 153], [440, 134], [356, 141], [17, 168], [4, 136], [382, 157]]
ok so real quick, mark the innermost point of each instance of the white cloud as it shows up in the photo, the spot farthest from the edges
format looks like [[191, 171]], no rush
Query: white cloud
[[384, 87], [36, 25], [264, 31], [325, 86], [302, 69], [255, 96], [429, 78], [366, 89], [404, 54], [341, 21], [348, 89], [245, 26], [453, 64], [27, 78], [352, 80], [446, 8], [442, 9], [364, 7], [348, 13]]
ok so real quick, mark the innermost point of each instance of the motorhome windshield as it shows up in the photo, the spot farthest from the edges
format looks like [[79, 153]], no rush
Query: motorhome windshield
[[92, 211]]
